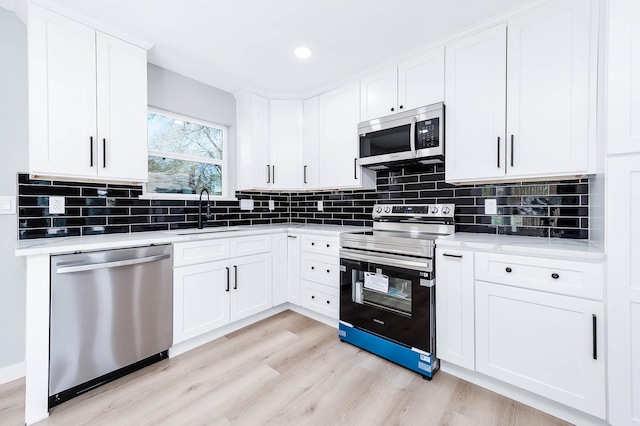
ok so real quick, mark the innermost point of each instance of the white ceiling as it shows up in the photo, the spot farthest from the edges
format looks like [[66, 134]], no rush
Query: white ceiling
[[234, 44]]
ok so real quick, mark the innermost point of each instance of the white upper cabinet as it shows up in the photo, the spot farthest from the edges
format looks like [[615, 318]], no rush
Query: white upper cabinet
[[338, 112], [311, 144], [413, 83], [623, 84], [475, 106], [286, 144], [549, 104], [252, 116], [88, 102], [269, 143]]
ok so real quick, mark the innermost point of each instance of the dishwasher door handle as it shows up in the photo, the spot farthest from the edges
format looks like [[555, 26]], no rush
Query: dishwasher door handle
[[80, 267]]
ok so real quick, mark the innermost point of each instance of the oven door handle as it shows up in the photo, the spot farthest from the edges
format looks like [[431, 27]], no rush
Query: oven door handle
[[377, 258]]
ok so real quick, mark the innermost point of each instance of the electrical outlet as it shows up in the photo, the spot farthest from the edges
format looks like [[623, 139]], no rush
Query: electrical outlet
[[320, 206], [7, 204], [56, 205], [490, 206], [246, 204], [272, 205]]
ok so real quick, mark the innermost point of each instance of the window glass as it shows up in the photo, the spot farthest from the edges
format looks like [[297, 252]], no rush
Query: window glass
[[185, 155]]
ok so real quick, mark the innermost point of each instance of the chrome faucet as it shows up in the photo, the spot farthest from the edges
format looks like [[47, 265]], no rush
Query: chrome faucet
[[200, 222]]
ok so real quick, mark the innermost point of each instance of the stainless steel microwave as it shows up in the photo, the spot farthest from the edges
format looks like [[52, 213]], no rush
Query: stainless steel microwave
[[413, 136]]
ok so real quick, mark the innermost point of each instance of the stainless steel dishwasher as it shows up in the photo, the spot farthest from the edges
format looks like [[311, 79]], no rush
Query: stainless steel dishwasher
[[111, 313]]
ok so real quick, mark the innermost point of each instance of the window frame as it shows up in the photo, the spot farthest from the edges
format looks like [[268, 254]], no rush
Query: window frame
[[223, 163]]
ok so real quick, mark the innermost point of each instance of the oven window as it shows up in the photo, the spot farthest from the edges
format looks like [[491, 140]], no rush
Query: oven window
[[389, 288]]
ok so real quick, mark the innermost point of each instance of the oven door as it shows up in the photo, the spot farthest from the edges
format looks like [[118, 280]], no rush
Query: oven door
[[389, 295]]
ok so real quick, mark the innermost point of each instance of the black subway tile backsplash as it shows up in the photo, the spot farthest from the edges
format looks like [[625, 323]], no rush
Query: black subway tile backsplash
[[542, 209]]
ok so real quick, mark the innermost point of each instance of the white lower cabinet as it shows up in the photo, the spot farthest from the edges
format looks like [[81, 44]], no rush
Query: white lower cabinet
[[455, 307], [200, 301], [545, 343], [320, 274], [213, 293], [280, 270], [293, 268]]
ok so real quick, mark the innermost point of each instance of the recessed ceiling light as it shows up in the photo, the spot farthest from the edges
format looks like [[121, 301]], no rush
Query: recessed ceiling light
[[302, 52]]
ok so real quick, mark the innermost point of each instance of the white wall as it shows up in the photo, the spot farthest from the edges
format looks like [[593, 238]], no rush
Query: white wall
[[14, 136], [176, 93]]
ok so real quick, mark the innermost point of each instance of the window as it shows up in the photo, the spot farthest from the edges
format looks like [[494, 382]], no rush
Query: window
[[185, 155]]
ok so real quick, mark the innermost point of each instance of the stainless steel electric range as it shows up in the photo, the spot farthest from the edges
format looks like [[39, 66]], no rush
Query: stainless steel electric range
[[387, 284]]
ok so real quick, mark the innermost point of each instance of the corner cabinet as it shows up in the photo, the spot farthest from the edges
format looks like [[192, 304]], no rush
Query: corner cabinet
[[87, 102], [415, 82], [216, 282], [547, 107]]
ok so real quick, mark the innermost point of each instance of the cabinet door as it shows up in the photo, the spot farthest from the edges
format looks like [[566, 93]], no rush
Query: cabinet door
[[252, 281], [623, 289], [311, 144], [254, 166], [455, 311], [475, 101], [62, 96], [339, 112], [122, 110], [200, 299], [378, 94], [623, 88], [279, 257], [548, 344], [421, 80], [286, 144], [293, 266], [550, 104]]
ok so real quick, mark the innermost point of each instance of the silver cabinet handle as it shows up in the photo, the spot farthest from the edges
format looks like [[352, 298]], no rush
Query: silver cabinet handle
[[80, 267], [459, 256], [268, 173], [305, 174]]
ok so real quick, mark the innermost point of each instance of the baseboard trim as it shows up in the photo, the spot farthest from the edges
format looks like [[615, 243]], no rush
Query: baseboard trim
[[12, 372], [182, 347]]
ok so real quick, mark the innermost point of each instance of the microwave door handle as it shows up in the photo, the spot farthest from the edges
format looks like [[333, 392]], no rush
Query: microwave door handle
[[412, 137]]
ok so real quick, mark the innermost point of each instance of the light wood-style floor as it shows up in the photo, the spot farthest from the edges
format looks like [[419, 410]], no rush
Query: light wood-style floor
[[285, 370]]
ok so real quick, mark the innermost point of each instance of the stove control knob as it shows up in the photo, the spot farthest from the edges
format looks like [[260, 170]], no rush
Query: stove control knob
[[434, 210], [378, 209], [445, 210], [387, 209]]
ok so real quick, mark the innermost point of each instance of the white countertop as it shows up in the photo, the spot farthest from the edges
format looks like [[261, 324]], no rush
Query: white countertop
[[112, 241], [536, 246]]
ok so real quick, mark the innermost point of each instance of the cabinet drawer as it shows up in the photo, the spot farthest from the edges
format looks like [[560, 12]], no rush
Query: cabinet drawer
[[199, 252], [321, 298], [573, 278], [320, 269], [244, 246], [321, 245]]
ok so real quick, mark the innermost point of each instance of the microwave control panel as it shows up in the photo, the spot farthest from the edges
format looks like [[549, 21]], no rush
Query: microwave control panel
[[427, 133]]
